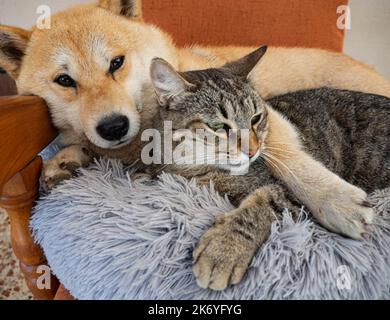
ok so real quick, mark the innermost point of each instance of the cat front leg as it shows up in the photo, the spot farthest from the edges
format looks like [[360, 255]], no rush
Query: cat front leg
[[338, 205], [225, 251]]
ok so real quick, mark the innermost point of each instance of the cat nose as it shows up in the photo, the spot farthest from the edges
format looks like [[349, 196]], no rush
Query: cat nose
[[113, 127], [252, 152]]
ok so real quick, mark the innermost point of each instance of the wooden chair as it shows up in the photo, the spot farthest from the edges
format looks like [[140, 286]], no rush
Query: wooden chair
[[26, 129], [20, 168]]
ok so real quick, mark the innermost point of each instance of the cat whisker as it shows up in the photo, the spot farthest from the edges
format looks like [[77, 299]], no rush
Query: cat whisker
[[283, 144], [160, 169], [278, 149], [277, 161]]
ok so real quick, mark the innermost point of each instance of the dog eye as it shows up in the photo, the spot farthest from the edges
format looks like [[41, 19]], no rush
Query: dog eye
[[256, 119], [65, 81], [116, 63]]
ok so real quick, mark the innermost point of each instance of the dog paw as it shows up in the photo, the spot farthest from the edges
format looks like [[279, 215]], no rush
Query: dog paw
[[63, 166], [347, 211], [221, 258]]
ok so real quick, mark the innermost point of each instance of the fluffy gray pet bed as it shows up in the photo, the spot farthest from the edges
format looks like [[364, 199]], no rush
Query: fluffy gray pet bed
[[107, 237]]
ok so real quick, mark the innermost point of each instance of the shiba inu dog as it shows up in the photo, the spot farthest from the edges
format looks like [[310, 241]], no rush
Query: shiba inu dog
[[92, 69]]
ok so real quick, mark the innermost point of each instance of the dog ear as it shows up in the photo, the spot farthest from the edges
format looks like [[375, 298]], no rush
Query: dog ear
[[245, 65], [127, 8], [13, 44], [167, 82]]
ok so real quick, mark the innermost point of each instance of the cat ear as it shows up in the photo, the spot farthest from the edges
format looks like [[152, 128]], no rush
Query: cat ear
[[166, 81], [127, 8], [245, 65], [13, 44]]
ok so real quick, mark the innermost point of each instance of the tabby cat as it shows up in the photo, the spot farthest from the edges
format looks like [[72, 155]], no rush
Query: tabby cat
[[290, 157]]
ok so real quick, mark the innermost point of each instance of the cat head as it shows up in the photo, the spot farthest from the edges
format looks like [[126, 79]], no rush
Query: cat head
[[219, 101]]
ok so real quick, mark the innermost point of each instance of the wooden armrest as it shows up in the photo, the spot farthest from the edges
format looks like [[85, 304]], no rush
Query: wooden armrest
[[25, 130]]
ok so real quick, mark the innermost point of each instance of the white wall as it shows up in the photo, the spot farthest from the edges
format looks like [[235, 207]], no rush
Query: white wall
[[368, 40], [22, 13], [369, 37]]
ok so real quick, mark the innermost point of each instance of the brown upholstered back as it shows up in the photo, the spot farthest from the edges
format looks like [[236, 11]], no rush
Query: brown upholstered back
[[307, 23]]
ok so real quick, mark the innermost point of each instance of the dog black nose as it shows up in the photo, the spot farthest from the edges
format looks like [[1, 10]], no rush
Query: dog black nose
[[113, 127]]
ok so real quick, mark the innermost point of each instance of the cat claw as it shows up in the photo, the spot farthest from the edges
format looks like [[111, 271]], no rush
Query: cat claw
[[349, 213]]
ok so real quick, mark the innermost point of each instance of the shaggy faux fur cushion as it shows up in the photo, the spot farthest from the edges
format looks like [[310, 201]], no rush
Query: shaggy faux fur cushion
[[107, 237]]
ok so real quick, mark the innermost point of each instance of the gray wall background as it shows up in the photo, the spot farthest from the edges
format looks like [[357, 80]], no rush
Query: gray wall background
[[369, 37], [368, 40]]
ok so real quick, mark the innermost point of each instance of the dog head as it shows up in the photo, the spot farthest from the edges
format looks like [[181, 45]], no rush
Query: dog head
[[90, 67]]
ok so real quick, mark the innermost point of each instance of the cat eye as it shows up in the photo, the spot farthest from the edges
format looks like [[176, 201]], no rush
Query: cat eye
[[65, 81], [218, 126], [116, 63], [256, 119]]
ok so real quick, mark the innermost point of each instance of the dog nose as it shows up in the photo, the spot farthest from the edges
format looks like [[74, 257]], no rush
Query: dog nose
[[113, 128]]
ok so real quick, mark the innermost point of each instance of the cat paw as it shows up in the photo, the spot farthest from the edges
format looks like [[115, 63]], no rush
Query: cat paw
[[348, 212], [63, 166], [221, 258]]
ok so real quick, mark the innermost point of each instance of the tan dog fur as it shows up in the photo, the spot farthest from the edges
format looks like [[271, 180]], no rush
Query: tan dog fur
[[86, 37]]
